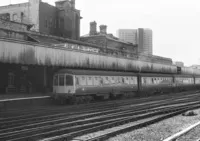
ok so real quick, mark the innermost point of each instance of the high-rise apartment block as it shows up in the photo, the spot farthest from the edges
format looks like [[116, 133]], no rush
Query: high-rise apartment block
[[128, 35], [141, 36]]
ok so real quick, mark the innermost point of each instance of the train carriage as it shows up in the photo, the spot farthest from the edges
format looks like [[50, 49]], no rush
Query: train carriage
[[70, 82], [76, 83], [155, 83], [184, 82]]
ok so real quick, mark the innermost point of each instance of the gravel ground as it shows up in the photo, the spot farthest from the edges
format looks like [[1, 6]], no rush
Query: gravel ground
[[161, 130], [192, 135]]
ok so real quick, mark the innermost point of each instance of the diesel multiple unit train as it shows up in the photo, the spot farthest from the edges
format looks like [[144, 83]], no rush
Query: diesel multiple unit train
[[68, 83]]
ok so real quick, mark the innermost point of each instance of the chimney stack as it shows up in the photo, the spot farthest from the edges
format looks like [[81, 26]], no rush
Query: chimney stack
[[103, 29], [73, 4], [93, 28]]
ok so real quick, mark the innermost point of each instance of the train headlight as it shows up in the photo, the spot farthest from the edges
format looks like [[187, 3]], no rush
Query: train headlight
[[83, 89]]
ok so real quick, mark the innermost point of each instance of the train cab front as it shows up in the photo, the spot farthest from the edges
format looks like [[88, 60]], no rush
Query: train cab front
[[63, 86]]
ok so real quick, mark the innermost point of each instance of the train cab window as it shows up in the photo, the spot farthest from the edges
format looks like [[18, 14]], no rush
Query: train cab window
[[55, 81], [61, 80], [69, 80]]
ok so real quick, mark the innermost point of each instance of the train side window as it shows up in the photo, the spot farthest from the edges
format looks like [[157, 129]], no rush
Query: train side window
[[97, 80], [89, 80], [82, 80], [132, 80], [123, 81], [105, 80], [120, 79], [113, 80], [152, 79], [55, 80], [126, 80], [61, 80], [116, 79]]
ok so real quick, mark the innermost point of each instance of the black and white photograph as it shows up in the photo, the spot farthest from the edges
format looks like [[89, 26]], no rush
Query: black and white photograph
[[99, 70]]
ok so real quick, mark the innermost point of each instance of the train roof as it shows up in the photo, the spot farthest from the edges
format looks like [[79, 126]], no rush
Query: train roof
[[96, 72], [155, 75]]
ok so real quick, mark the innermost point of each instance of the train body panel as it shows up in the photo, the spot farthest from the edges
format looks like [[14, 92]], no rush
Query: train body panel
[[94, 83]]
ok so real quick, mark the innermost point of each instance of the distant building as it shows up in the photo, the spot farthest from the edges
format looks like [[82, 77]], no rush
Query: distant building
[[144, 40], [60, 20], [141, 36], [106, 40], [195, 66], [179, 64], [127, 35]]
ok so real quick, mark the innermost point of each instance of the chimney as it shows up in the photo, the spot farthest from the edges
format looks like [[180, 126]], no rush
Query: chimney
[[73, 4], [103, 29], [93, 28]]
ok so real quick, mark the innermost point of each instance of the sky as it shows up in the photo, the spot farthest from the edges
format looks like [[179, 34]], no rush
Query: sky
[[175, 23]]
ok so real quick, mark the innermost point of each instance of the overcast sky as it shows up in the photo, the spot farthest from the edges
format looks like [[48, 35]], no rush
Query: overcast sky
[[175, 23]]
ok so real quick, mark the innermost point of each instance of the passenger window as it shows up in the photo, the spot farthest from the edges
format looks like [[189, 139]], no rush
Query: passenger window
[[82, 80], [69, 80], [101, 80], [61, 80], [105, 80], [131, 81], [89, 80], [96, 81], [126, 80], [123, 81]]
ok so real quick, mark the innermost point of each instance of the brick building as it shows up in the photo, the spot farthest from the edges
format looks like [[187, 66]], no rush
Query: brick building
[[63, 19], [107, 41]]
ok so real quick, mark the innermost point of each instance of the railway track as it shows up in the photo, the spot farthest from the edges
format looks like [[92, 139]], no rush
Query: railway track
[[24, 120], [48, 110], [63, 125]]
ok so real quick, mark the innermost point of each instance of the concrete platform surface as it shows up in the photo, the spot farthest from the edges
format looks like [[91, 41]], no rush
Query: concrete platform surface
[[15, 101]]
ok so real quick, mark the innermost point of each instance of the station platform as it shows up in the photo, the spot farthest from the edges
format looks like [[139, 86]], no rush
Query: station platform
[[15, 101]]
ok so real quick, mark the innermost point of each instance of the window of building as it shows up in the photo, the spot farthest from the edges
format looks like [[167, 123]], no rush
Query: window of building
[[55, 23], [46, 23], [50, 22]]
